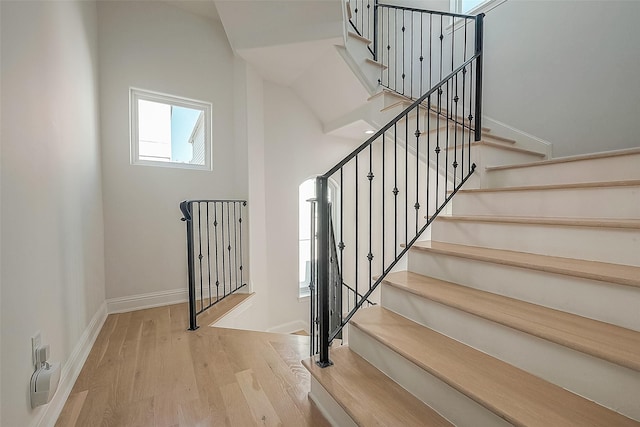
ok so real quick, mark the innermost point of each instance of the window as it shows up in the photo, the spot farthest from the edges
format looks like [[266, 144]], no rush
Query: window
[[169, 131], [306, 191]]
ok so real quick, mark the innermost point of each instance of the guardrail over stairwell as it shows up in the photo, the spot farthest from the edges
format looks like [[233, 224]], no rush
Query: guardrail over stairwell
[[215, 259], [395, 184]]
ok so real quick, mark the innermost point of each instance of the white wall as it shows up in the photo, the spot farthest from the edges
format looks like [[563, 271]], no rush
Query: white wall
[[155, 46], [52, 225], [565, 71]]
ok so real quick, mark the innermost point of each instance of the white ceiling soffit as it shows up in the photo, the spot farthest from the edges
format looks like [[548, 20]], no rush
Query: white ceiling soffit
[[206, 8], [284, 64], [260, 23]]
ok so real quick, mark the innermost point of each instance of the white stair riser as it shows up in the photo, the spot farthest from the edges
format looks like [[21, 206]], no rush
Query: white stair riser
[[601, 202], [611, 303], [448, 402], [359, 53], [332, 411], [608, 384], [614, 245], [616, 168]]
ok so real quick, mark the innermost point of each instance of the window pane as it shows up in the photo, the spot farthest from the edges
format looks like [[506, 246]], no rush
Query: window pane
[[168, 130], [187, 135], [154, 131], [467, 5]]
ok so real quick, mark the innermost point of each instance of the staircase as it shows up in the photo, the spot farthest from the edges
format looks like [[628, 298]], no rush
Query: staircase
[[522, 309]]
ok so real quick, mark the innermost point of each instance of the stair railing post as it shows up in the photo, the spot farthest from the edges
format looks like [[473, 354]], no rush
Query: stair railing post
[[375, 30], [312, 276], [185, 207], [322, 269], [479, 43]]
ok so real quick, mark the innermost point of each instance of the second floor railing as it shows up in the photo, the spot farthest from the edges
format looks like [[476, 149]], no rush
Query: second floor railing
[[215, 257]]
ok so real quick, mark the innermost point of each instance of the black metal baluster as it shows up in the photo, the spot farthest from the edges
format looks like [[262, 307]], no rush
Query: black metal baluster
[[368, 20], [446, 150], [470, 115], [406, 178], [241, 253], [395, 189], [200, 256], [411, 59], [215, 233], [357, 228], [341, 244], [441, 50], [430, 50], [403, 50], [370, 178], [417, 134], [421, 55], [388, 48], [395, 49], [382, 197], [235, 243], [229, 245], [376, 34], [428, 150], [464, 76], [208, 255], [224, 274], [437, 149]]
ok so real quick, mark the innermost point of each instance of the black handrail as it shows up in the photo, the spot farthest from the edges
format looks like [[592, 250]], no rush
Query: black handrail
[[216, 227], [397, 118], [440, 164]]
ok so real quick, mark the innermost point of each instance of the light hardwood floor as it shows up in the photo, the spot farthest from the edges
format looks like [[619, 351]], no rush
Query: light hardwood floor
[[146, 369]]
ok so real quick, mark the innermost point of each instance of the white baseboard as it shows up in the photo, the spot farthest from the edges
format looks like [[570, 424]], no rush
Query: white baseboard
[[150, 300], [289, 327], [71, 370]]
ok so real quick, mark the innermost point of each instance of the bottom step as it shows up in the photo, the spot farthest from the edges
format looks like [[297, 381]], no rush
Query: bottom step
[[366, 395], [398, 345]]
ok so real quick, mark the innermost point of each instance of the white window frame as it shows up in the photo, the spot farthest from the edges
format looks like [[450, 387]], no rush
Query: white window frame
[[136, 94], [484, 7]]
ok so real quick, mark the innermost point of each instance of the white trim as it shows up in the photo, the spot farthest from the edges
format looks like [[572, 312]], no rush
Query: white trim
[[136, 94], [484, 7], [150, 300], [289, 327], [71, 370], [228, 320], [525, 140]]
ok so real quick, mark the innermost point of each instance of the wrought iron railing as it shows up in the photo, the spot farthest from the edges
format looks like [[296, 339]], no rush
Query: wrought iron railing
[[215, 259], [342, 297], [394, 185]]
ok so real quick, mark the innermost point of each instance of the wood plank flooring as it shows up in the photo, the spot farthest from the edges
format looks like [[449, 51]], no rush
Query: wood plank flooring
[[146, 369]]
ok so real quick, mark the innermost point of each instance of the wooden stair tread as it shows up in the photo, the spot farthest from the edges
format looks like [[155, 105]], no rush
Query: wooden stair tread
[[612, 273], [368, 395], [603, 184], [566, 222], [376, 63], [359, 37], [569, 159], [513, 394], [603, 340]]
